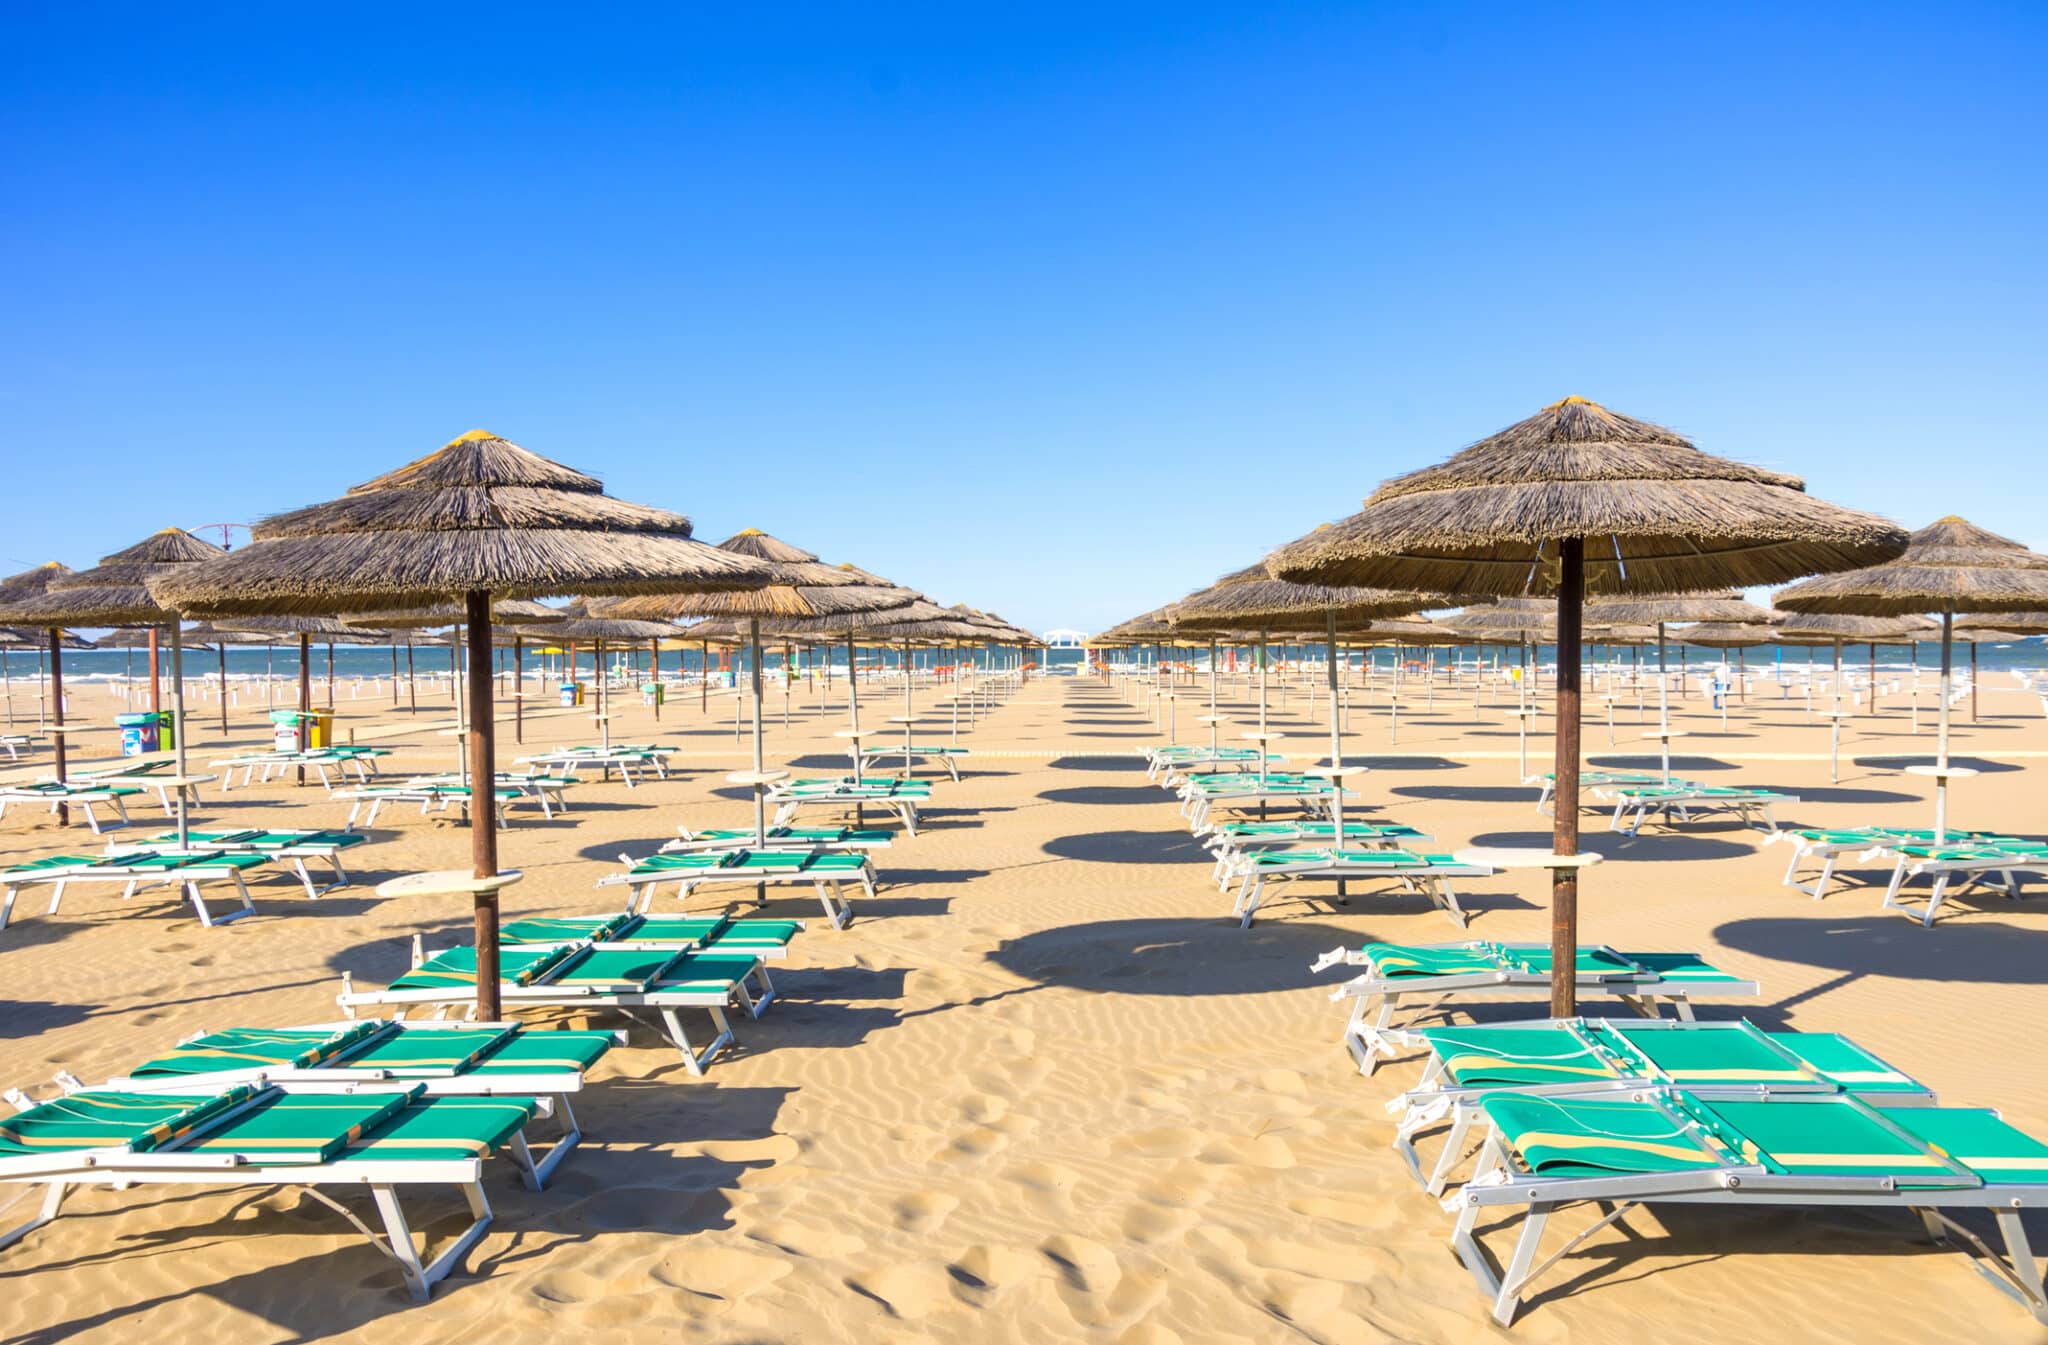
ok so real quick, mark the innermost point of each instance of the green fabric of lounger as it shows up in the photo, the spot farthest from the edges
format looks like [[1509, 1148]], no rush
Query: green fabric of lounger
[[545, 1049], [67, 789], [457, 967], [744, 934], [1380, 858], [1499, 1057], [140, 1121], [263, 840], [704, 972], [1978, 1139], [563, 928], [256, 1048], [628, 969], [443, 1128], [799, 836], [58, 862], [1594, 1137], [301, 1127]]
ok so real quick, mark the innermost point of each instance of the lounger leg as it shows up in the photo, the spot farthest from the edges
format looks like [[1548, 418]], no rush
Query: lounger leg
[[398, 1241], [2025, 1266], [1440, 891], [836, 915], [7, 904], [1827, 874], [53, 1198], [522, 1158], [695, 1060], [757, 1003]]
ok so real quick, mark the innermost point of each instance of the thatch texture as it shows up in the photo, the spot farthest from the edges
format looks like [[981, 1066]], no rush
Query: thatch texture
[[1951, 565], [28, 584], [1508, 619], [1657, 516], [504, 612], [1726, 634], [479, 515], [1844, 628], [1652, 608], [2015, 623], [799, 586], [115, 592], [1252, 597]]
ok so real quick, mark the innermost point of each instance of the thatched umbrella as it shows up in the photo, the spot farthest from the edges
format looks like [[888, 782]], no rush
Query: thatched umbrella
[[799, 586], [19, 588], [116, 593], [1252, 597], [1578, 499], [1950, 567], [477, 519]]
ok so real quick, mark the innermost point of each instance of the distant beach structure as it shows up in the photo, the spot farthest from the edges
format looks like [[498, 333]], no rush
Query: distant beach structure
[[1065, 639]]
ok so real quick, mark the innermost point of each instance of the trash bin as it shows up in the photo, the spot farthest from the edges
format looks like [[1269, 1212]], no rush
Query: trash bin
[[572, 694], [288, 730], [166, 731], [320, 729], [653, 693], [139, 733]]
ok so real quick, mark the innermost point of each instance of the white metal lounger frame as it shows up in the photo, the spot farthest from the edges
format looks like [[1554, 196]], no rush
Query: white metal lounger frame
[[188, 878], [621, 759], [271, 764], [296, 855], [540, 995], [830, 886], [83, 799], [1384, 998], [689, 843], [903, 808], [433, 798], [1431, 880], [1499, 1183], [1234, 853], [1198, 805], [949, 757], [1749, 805], [119, 1168], [1941, 873]]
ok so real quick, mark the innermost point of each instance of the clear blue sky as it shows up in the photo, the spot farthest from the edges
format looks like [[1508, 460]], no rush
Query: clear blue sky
[[1061, 312]]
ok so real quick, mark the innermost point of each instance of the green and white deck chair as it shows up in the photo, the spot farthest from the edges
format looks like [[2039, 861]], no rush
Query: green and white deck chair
[[81, 796], [1559, 1057], [826, 872], [626, 760], [714, 934], [898, 798], [587, 976], [186, 870], [547, 792], [390, 1142], [780, 838], [430, 798], [14, 744], [290, 846], [1234, 842], [1828, 846], [1404, 984], [1169, 764], [330, 764], [2007, 857], [1201, 800], [1701, 1147], [1635, 803], [376, 1055], [1546, 783], [947, 757], [1429, 875], [141, 773]]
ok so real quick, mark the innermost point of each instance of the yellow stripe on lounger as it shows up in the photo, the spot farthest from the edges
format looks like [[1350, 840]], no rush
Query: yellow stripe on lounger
[[1554, 1140]]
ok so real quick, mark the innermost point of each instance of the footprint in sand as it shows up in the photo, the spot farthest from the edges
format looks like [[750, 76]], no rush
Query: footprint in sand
[[1040, 1176], [974, 1142], [922, 1211], [798, 1239], [1164, 1142], [984, 1108], [716, 1278], [1154, 1223], [206, 960]]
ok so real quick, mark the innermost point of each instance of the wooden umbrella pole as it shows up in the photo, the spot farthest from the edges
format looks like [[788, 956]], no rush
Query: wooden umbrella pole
[[156, 685], [57, 713], [330, 674], [483, 811], [1564, 882], [178, 728], [654, 674], [518, 692], [221, 648], [412, 686]]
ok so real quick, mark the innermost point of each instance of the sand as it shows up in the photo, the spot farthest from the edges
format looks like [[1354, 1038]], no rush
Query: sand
[[1043, 1088]]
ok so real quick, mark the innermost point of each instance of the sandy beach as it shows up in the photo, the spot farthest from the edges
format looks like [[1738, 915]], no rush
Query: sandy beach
[[1043, 1088]]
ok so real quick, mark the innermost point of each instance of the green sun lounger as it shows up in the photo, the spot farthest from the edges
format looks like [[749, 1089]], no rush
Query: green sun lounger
[[1635, 803], [779, 838], [260, 1137], [1427, 874], [187, 871], [691, 933], [291, 846], [1561, 1057], [826, 872], [1701, 1147], [1404, 983], [63, 793], [590, 975], [445, 1059], [899, 798]]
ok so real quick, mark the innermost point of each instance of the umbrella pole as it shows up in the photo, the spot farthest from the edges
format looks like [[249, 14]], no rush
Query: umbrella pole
[[1564, 882], [461, 751], [654, 674], [604, 697], [178, 727], [760, 756], [1663, 704], [394, 674], [483, 806], [220, 648], [57, 713], [518, 690], [1973, 682], [412, 686], [704, 678]]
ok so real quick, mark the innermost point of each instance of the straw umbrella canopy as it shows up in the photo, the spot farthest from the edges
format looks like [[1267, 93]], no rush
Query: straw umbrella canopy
[[799, 586], [1658, 610], [577, 622], [116, 593], [1950, 567], [1578, 499], [2011, 623], [478, 519]]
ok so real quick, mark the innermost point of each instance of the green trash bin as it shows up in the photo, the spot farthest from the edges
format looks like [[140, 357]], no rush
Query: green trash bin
[[653, 693]]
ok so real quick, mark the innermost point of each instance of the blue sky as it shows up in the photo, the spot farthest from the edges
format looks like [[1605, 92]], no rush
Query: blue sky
[[1059, 311]]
